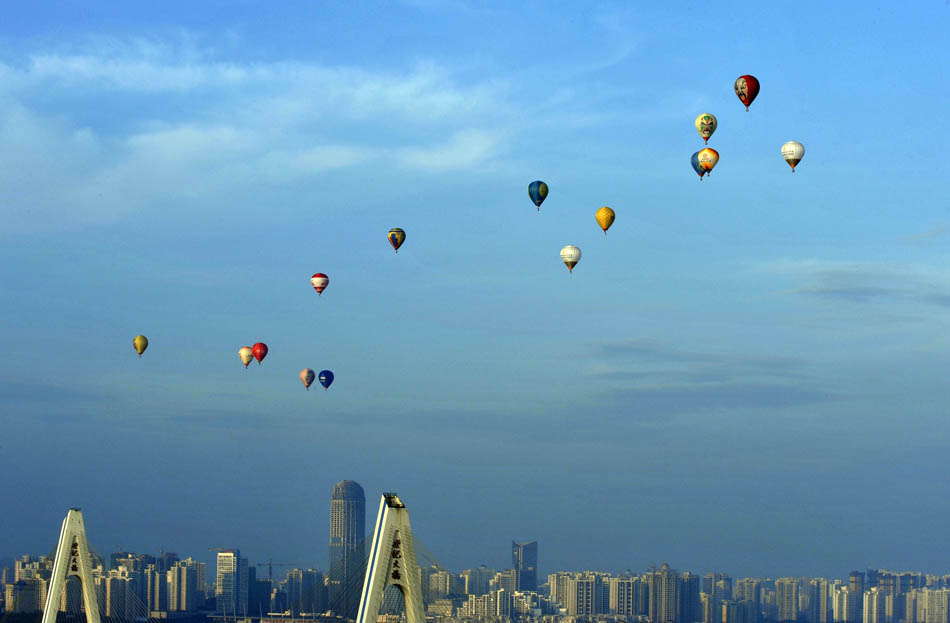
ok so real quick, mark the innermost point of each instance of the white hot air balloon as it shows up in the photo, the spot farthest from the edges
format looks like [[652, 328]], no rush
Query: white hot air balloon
[[570, 255], [793, 151]]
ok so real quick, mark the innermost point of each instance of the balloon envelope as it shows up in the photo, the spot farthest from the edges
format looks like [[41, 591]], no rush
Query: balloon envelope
[[706, 124], [140, 343], [246, 354], [538, 191], [694, 160], [259, 351], [793, 152], [707, 158], [319, 281], [326, 379], [306, 377], [747, 88], [605, 218], [396, 237], [570, 255]]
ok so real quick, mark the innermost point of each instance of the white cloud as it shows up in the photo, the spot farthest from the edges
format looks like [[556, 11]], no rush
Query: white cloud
[[228, 126], [467, 148]]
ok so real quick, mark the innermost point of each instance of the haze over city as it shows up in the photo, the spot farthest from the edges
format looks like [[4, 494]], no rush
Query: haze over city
[[746, 374]]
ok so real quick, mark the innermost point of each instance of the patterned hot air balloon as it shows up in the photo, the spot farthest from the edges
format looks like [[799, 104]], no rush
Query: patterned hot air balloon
[[793, 152], [259, 351], [140, 343], [246, 354], [306, 377], [706, 124], [707, 158], [538, 191], [326, 379], [605, 218], [694, 160], [570, 255], [396, 238], [747, 88], [319, 281]]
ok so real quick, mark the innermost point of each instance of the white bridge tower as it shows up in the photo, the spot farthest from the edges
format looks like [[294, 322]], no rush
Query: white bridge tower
[[392, 562], [72, 558]]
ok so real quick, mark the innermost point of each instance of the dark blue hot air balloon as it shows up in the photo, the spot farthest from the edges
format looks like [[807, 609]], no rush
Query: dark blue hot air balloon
[[538, 191], [325, 378], [694, 160]]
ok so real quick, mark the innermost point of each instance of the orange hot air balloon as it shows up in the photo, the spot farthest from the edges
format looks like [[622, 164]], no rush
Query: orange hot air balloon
[[707, 158], [259, 351]]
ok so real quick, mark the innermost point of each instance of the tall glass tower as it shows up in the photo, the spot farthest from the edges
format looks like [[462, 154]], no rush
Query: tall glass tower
[[347, 557], [524, 559]]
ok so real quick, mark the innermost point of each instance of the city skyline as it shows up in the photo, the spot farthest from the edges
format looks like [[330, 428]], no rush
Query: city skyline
[[746, 370]]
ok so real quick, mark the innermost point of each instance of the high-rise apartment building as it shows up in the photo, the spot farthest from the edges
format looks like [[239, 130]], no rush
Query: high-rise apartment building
[[347, 535], [623, 596], [231, 583], [690, 608], [582, 596], [524, 560], [875, 605], [475, 581], [786, 599], [183, 591], [664, 595]]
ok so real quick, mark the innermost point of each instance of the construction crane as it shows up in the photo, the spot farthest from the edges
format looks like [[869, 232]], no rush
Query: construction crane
[[270, 564]]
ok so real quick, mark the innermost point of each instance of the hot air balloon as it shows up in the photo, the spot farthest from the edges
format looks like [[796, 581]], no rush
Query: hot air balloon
[[140, 343], [306, 377], [747, 88], [707, 157], [396, 238], [259, 351], [793, 151], [319, 281], [246, 354], [570, 255], [538, 191], [605, 218], [706, 124], [694, 160], [325, 378]]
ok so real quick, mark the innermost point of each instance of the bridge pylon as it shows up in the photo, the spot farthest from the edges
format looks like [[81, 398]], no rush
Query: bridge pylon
[[72, 558], [392, 562]]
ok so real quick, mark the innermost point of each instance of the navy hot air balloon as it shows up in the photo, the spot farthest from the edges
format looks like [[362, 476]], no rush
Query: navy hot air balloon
[[538, 191], [326, 379]]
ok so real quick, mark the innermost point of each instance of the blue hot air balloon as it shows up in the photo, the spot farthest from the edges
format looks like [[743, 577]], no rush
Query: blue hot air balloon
[[538, 191], [694, 160], [325, 378]]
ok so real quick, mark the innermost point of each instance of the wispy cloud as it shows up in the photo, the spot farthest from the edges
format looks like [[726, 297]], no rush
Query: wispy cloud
[[650, 379], [232, 125], [866, 282]]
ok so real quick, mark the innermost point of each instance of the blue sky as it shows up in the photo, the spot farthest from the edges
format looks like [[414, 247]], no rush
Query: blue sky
[[747, 373]]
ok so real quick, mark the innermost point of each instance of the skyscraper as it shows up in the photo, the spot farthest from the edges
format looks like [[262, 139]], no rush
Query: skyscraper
[[524, 559], [347, 534], [231, 585]]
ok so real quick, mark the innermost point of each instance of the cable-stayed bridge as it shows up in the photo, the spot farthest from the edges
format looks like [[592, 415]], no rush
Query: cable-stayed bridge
[[80, 589]]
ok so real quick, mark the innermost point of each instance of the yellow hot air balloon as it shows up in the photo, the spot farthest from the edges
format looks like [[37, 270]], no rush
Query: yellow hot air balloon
[[605, 218], [707, 159], [706, 124], [140, 343], [246, 353]]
